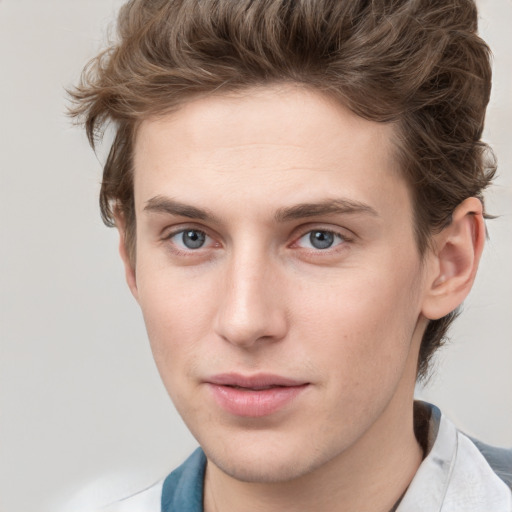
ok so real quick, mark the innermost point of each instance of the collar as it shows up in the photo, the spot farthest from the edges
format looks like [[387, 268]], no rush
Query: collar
[[454, 475]]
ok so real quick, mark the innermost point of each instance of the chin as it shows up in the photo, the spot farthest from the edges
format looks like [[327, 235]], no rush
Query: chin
[[261, 471], [265, 460]]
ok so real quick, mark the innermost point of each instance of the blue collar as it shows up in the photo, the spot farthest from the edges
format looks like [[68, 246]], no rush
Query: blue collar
[[183, 488]]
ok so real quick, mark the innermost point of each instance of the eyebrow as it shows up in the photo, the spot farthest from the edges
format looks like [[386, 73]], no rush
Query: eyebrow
[[161, 204], [328, 207]]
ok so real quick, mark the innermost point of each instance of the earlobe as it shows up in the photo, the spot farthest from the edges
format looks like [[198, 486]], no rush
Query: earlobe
[[129, 266], [455, 259]]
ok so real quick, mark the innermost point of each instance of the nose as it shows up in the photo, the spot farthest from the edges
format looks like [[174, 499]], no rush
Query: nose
[[251, 307]]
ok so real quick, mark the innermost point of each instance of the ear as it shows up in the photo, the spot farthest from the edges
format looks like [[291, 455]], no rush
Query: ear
[[129, 265], [454, 260]]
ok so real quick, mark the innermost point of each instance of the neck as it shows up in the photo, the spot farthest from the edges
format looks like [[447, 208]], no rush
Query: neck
[[372, 475]]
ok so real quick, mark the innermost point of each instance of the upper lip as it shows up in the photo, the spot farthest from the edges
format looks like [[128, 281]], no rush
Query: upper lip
[[257, 381]]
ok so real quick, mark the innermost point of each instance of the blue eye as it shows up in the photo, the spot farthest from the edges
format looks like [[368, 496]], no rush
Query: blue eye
[[320, 239], [189, 239]]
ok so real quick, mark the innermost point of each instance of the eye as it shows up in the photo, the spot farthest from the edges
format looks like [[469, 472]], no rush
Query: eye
[[189, 239], [320, 239]]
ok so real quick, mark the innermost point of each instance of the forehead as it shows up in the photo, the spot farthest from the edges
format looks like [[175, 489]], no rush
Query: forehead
[[289, 140]]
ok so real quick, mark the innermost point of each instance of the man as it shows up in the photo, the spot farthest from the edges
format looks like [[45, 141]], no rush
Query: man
[[298, 190]]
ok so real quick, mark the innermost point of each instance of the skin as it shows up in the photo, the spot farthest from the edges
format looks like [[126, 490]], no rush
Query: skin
[[257, 296]]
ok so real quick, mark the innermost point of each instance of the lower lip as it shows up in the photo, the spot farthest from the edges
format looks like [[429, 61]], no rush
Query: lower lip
[[254, 403]]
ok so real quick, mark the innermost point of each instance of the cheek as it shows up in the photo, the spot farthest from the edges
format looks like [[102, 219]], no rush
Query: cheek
[[363, 326], [178, 311], [361, 347]]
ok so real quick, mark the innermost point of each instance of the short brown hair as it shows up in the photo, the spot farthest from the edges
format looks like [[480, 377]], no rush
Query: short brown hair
[[417, 63]]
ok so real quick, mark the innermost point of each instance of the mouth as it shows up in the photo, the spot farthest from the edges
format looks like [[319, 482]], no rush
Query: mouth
[[254, 396], [254, 388]]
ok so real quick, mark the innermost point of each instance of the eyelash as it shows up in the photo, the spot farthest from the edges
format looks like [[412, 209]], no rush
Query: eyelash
[[342, 237], [185, 252]]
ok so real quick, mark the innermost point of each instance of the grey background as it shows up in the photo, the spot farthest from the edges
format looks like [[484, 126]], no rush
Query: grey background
[[82, 409]]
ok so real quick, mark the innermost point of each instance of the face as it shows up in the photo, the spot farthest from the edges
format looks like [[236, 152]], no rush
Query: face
[[278, 276]]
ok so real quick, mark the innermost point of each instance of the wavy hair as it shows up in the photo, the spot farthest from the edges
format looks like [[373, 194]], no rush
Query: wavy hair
[[417, 63]]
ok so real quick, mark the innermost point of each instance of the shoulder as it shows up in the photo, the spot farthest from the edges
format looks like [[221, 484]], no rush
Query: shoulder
[[457, 473], [477, 479], [148, 500], [110, 494], [182, 490], [428, 422], [499, 459]]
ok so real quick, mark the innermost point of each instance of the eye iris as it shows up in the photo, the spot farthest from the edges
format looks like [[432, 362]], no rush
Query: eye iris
[[193, 239], [321, 239]]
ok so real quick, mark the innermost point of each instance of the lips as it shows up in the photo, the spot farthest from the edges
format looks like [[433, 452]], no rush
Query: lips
[[254, 396]]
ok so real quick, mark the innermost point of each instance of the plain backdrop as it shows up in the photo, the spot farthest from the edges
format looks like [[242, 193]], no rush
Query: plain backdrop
[[82, 409]]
